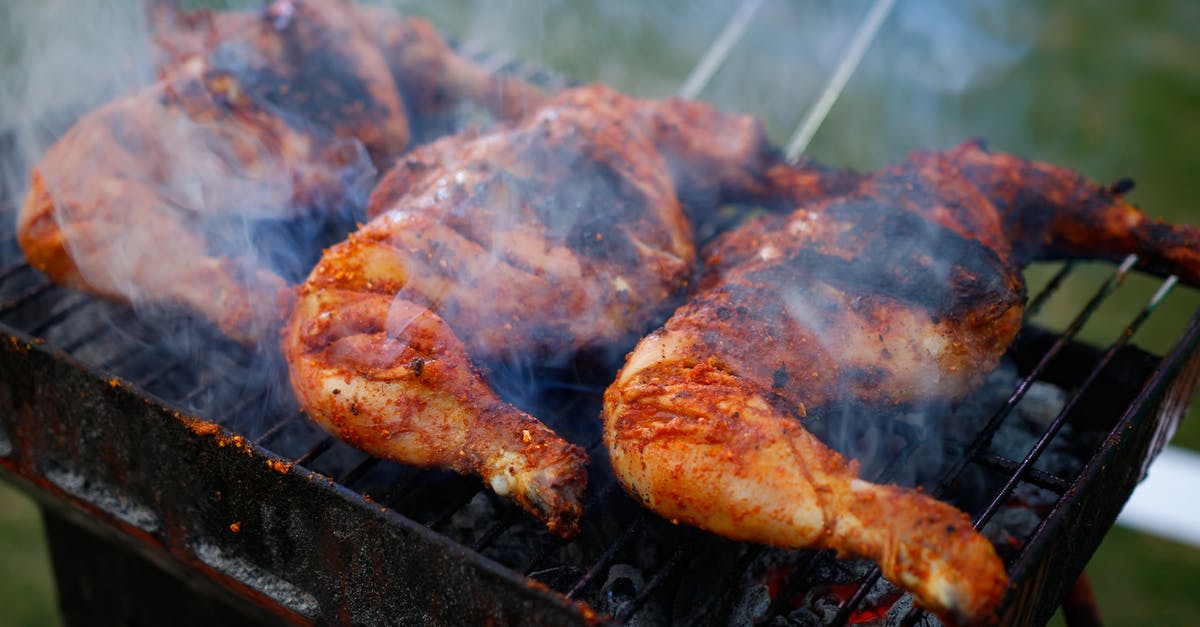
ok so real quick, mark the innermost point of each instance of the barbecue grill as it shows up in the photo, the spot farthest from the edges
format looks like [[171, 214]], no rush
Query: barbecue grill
[[166, 468]]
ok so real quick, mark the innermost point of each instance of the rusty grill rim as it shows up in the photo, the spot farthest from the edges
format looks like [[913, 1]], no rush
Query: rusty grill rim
[[27, 474]]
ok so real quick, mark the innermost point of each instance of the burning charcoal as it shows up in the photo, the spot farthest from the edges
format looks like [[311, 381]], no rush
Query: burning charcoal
[[1016, 438], [711, 580], [1042, 403], [802, 617], [1012, 524], [876, 604], [476, 516], [822, 606], [901, 608], [622, 585], [829, 585], [974, 411], [648, 551], [621, 589], [560, 578], [752, 607]]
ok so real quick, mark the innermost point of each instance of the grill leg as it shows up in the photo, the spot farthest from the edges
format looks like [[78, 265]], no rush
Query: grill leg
[[1079, 608], [102, 582]]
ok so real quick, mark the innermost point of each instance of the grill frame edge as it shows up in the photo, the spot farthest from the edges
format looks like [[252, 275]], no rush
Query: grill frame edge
[[1089, 508], [58, 413]]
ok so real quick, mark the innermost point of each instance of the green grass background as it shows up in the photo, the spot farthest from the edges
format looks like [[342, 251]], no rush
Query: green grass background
[[1110, 88]]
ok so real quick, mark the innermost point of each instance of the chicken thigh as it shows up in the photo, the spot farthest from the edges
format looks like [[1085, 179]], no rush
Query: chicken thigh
[[260, 118], [534, 241], [905, 289]]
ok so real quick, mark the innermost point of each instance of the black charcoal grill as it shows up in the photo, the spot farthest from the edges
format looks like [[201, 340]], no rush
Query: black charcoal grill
[[169, 497]]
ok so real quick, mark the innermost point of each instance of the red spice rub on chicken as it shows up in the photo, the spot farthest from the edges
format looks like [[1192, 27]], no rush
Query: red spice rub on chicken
[[905, 288], [258, 117], [562, 233]]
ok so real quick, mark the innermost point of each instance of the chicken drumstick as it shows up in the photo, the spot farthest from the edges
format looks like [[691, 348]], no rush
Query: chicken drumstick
[[536, 240], [259, 118], [905, 289]]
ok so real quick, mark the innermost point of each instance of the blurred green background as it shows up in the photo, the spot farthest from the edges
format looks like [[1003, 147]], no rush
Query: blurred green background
[[1109, 88]]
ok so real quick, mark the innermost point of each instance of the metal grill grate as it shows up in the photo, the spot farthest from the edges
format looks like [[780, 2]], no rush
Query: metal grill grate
[[1130, 384]]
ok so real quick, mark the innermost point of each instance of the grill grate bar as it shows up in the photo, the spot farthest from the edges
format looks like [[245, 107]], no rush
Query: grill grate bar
[[985, 435], [984, 438], [702, 615], [159, 373], [191, 396], [1041, 479], [446, 514], [276, 428], [13, 268], [320, 447], [1061, 419], [118, 362], [246, 402], [719, 50], [508, 519], [652, 585], [32, 292], [74, 302], [403, 488], [1035, 305], [98, 332], [1035, 453], [631, 533], [356, 473]]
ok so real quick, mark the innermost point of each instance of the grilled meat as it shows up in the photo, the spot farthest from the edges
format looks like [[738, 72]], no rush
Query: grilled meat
[[307, 62], [532, 242], [905, 289], [259, 119], [124, 204], [431, 77]]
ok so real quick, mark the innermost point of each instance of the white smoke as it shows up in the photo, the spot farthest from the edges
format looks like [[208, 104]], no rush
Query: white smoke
[[62, 58], [59, 58]]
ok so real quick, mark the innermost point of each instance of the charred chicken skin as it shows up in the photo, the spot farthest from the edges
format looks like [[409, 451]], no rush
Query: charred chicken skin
[[429, 75], [258, 118], [533, 241], [905, 289]]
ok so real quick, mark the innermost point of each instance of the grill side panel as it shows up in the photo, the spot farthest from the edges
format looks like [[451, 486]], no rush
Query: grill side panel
[[1064, 543], [198, 499]]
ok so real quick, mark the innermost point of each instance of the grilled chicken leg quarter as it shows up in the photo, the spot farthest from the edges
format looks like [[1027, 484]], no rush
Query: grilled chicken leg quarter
[[259, 118], [905, 289], [562, 233]]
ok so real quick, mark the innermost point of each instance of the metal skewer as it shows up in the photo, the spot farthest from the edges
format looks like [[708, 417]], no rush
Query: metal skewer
[[716, 54], [837, 81], [736, 28]]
